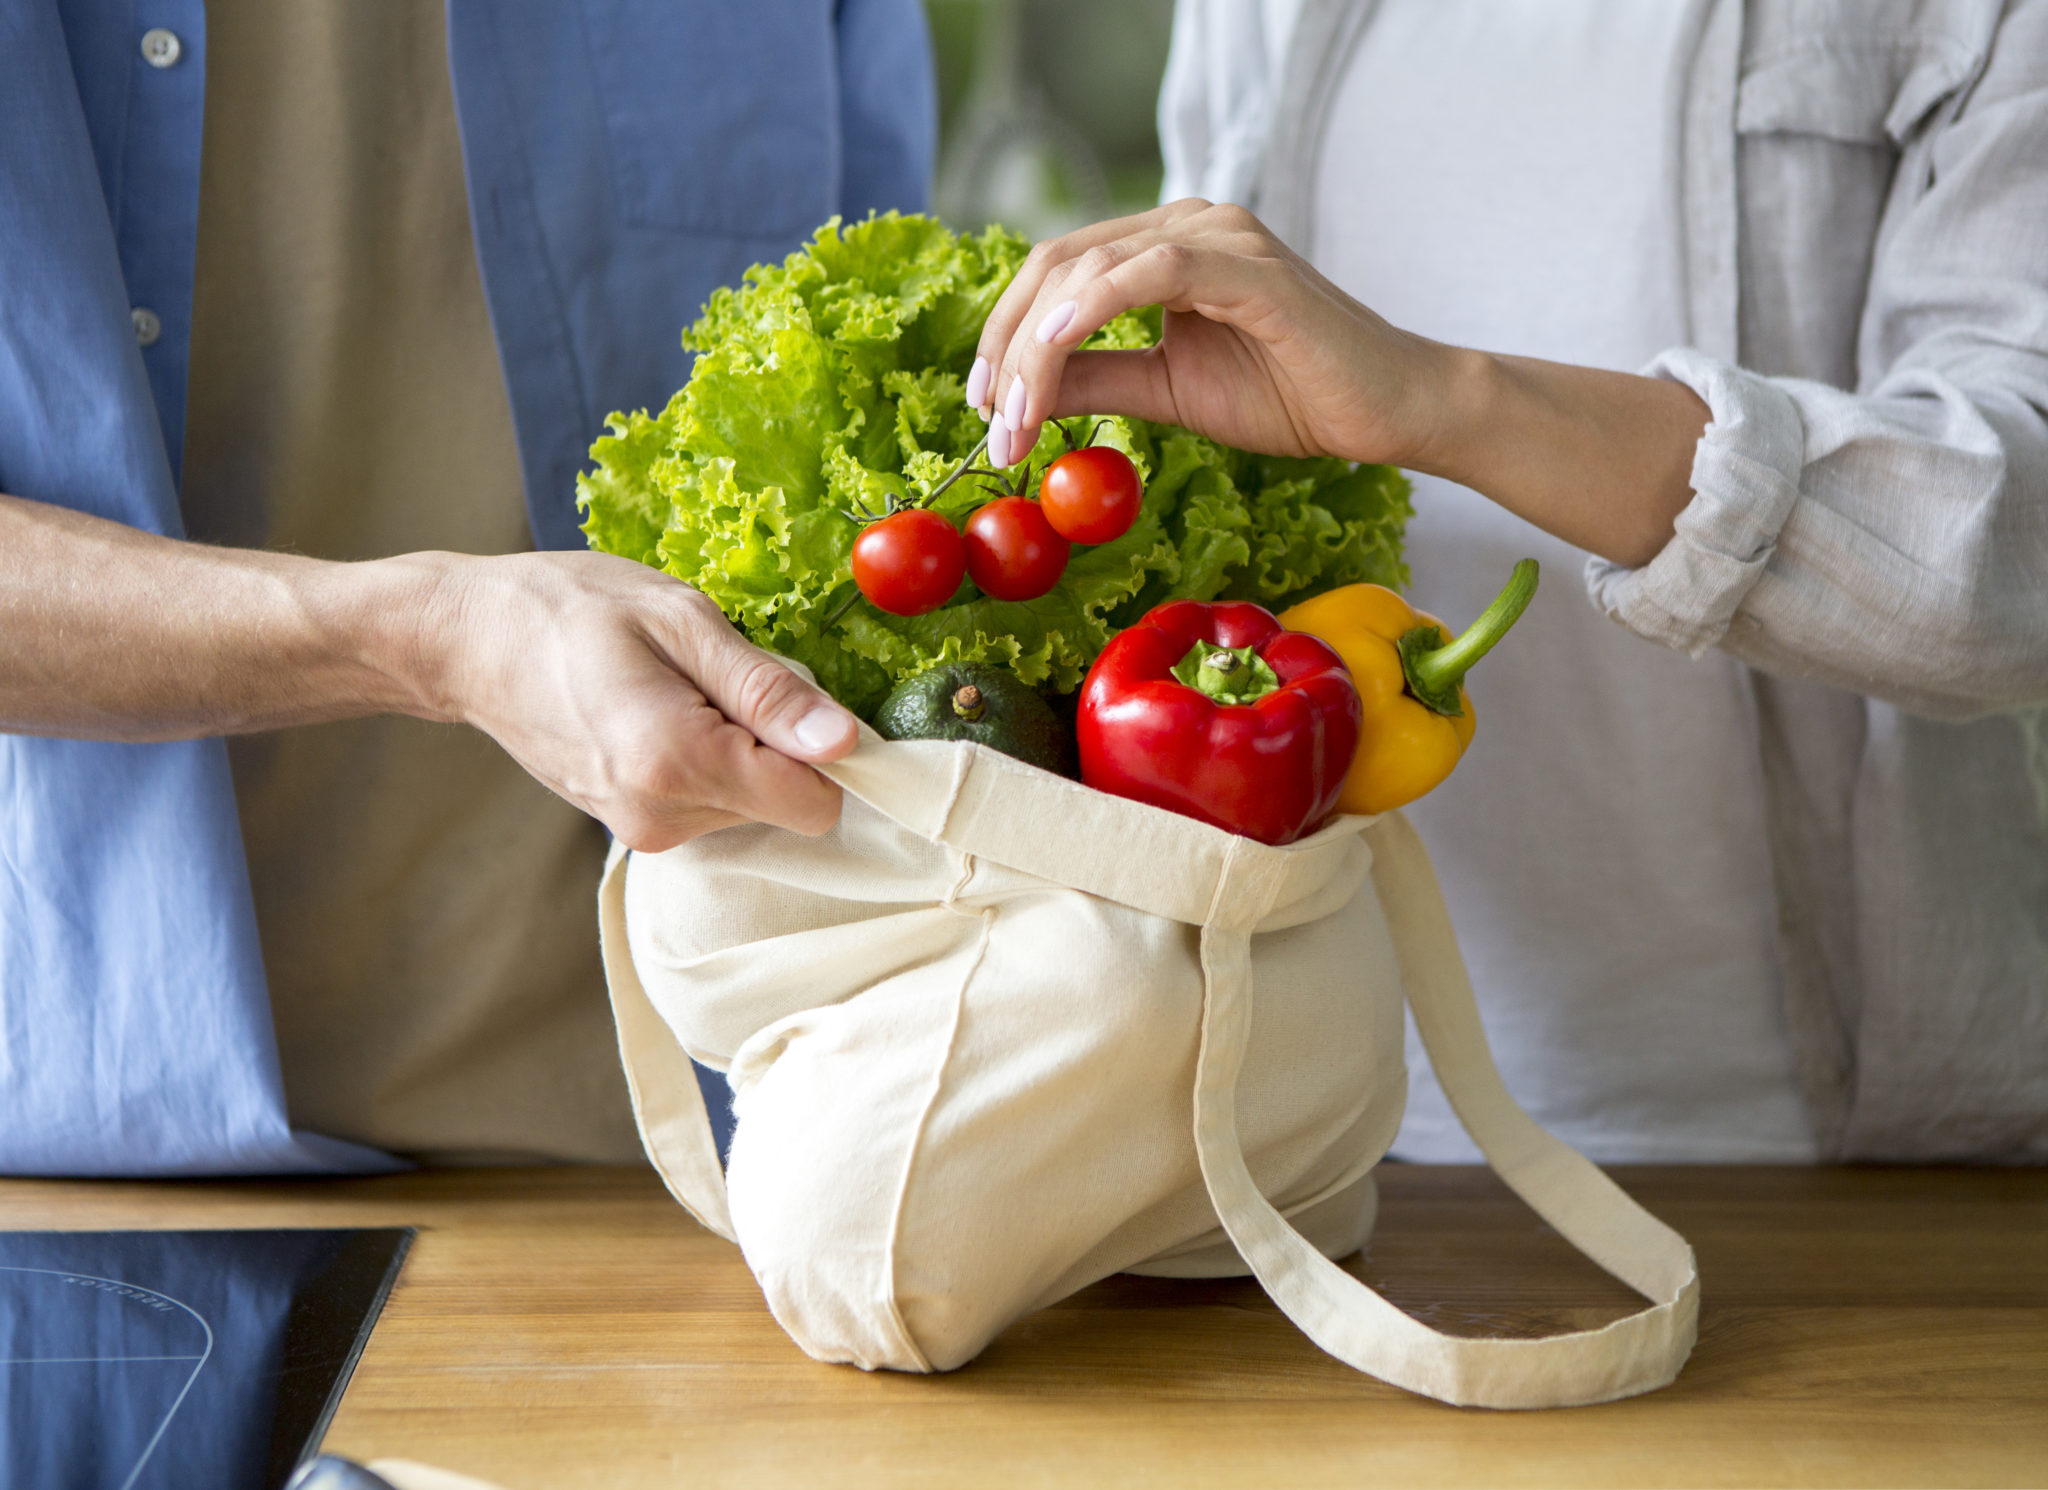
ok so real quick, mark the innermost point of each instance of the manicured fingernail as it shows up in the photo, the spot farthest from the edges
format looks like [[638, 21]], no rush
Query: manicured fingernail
[[822, 728], [1056, 320], [977, 383], [1013, 406], [999, 442]]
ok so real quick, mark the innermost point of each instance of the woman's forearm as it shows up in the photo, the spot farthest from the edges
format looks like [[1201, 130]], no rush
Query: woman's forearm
[[1261, 351], [112, 633], [1601, 459]]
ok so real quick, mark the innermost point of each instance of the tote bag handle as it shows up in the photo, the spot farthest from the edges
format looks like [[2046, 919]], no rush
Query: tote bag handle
[[1635, 1354], [667, 1102]]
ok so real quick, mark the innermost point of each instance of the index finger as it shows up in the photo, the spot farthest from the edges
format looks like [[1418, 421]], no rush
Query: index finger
[[1022, 292]]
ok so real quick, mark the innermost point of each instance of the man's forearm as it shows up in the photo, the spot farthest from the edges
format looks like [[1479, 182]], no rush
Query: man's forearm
[[111, 633]]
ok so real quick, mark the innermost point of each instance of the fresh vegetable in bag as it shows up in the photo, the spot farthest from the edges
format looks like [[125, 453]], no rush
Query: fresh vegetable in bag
[[980, 703], [1215, 712], [831, 386], [1418, 718]]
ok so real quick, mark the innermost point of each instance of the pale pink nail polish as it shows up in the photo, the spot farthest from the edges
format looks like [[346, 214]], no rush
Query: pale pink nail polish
[[999, 442], [1013, 406], [1056, 320], [977, 383]]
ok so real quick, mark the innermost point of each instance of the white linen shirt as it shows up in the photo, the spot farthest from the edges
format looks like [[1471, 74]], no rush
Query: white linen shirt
[[1604, 843], [1863, 193]]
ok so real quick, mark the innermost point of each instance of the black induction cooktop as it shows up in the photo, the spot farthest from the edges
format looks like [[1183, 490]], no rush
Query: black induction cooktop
[[179, 1360]]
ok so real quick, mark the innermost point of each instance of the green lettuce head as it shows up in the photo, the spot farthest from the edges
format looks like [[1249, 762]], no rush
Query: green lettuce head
[[833, 382]]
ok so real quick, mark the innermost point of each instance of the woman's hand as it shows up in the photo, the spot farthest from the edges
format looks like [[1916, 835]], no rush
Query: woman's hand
[[1262, 352], [1259, 350]]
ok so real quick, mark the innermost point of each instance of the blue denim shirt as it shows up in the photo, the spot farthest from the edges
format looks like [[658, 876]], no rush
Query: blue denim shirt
[[625, 157]]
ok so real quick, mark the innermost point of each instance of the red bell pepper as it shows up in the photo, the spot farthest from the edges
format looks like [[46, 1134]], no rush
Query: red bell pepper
[[1218, 712]]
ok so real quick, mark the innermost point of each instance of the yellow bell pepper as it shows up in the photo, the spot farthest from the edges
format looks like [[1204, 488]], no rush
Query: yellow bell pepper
[[1418, 718]]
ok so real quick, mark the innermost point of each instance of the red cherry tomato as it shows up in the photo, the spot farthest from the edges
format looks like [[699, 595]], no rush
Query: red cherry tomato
[[1012, 551], [909, 563], [1091, 495]]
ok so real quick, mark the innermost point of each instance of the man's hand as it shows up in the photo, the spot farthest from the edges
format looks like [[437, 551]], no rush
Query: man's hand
[[620, 688], [628, 693]]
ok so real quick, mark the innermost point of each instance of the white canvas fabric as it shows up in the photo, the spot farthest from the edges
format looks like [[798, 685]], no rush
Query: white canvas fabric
[[997, 1036]]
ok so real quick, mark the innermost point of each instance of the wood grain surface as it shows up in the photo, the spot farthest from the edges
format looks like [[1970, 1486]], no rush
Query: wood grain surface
[[571, 1329]]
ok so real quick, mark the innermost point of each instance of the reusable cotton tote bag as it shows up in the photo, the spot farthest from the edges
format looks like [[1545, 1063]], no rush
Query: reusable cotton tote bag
[[998, 1035]]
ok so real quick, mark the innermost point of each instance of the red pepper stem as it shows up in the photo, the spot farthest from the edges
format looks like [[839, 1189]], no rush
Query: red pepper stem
[[1435, 674], [1229, 675]]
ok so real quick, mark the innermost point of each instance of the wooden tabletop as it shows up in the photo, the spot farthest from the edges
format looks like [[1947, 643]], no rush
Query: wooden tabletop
[[570, 1328]]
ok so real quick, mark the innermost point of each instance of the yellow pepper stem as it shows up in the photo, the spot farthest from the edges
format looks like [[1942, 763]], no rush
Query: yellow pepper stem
[[1435, 671]]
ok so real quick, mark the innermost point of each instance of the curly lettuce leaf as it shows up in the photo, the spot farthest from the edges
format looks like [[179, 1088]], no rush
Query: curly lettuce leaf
[[831, 385], [627, 511]]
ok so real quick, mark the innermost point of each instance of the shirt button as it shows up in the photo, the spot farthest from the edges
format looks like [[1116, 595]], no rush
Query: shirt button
[[161, 48], [148, 325]]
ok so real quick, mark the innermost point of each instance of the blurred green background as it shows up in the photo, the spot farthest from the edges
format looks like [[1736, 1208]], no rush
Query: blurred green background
[[1046, 110]]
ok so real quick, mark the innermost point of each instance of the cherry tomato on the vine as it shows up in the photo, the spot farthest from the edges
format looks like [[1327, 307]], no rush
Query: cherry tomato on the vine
[[1012, 551], [910, 562], [1091, 495]]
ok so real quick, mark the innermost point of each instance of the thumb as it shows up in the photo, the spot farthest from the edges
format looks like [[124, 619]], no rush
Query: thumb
[[766, 696], [795, 717]]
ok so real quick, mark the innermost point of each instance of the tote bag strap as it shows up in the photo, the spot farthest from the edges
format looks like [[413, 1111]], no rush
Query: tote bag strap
[[982, 802], [1344, 1316], [666, 1100]]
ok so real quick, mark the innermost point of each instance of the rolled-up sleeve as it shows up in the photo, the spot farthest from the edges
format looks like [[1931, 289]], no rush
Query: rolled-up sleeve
[[1893, 540]]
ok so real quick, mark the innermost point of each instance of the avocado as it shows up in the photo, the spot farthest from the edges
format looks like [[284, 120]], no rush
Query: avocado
[[979, 702]]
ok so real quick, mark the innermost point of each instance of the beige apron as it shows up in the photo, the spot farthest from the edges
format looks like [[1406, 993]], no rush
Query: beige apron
[[420, 898]]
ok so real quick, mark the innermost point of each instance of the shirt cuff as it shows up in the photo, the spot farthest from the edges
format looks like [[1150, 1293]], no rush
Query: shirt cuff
[[1745, 479]]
